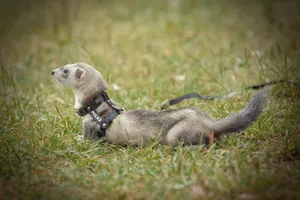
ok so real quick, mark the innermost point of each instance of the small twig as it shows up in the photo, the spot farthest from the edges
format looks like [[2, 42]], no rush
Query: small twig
[[60, 116], [215, 80], [38, 103], [15, 91], [17, 155], [88, 52]]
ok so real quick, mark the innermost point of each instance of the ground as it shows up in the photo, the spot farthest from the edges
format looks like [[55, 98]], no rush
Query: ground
[[148, 53]]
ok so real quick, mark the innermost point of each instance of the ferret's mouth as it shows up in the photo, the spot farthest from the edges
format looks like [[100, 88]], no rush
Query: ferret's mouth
[[61, 81], [57, 79]]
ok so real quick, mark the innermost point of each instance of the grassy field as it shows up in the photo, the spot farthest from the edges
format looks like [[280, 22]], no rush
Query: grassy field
[[153, 52]]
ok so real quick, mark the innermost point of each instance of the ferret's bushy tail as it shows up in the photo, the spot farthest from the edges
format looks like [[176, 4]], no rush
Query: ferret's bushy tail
[[241, 120]]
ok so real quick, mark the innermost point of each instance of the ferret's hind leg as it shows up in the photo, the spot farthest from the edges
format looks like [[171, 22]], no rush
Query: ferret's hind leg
[[187, 132]]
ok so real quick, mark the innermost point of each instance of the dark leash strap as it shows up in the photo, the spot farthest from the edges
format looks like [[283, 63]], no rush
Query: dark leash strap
[[206, 97]]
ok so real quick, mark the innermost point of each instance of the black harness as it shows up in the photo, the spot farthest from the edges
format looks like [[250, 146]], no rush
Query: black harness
[[94, 104]]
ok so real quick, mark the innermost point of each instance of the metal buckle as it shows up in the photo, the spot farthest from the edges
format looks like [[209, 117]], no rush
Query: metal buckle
[[81, 112]]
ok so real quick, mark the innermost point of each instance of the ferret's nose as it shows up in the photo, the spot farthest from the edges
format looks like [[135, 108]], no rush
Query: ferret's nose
[[53, 72]]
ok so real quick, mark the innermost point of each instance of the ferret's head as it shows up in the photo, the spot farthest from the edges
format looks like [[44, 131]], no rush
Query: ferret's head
[[85, 81], [71, 74]]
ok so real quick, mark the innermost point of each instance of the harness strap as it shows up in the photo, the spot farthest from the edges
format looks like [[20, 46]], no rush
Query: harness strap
[[104, 122], [95, 103]]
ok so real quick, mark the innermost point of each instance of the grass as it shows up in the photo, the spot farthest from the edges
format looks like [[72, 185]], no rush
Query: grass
[[218, 47]]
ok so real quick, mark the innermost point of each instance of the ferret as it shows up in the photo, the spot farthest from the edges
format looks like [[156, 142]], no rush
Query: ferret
[[190, 126]]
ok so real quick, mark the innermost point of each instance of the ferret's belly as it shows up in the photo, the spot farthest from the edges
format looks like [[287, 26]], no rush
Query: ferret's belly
[[124, 130]]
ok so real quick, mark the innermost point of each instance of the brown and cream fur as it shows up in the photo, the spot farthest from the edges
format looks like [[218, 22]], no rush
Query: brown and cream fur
[[190, 125]]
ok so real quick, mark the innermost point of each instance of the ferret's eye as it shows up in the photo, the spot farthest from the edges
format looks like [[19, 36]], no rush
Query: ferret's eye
[[65, 71]]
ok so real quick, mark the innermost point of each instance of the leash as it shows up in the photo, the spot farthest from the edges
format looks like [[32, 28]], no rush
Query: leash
[[207, 97]]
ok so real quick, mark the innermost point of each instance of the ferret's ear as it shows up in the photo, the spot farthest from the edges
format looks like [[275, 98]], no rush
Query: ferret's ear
[[80, 73]]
